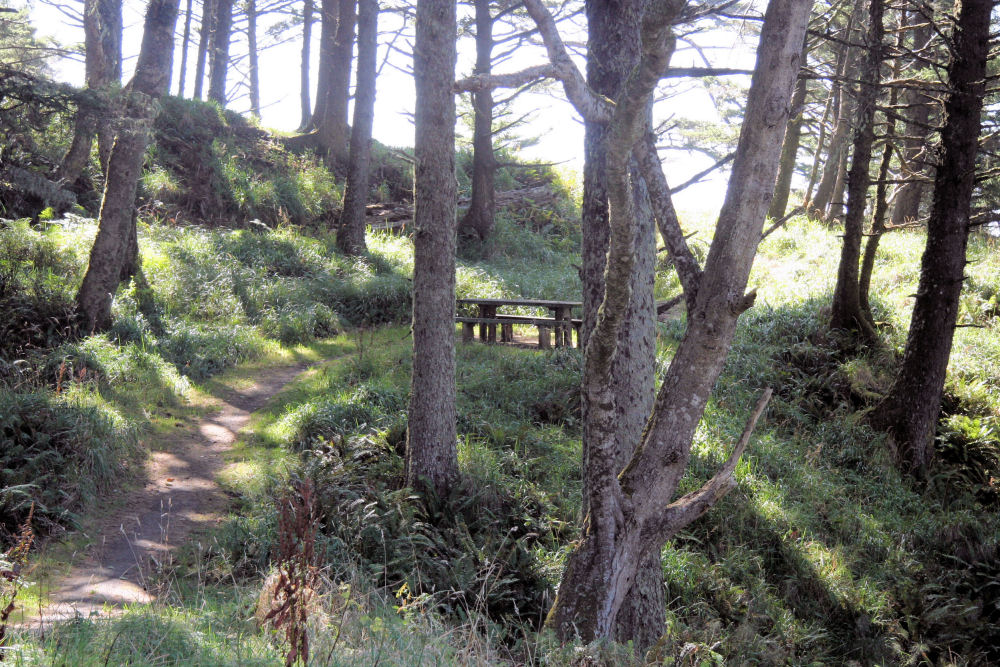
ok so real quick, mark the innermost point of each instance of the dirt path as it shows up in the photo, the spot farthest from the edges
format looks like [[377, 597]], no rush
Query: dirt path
[[179, 498]]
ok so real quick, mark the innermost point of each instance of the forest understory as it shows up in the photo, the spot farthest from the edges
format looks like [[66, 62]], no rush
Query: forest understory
[[253, 350]]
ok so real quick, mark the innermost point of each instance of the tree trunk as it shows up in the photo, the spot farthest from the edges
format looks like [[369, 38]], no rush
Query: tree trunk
[[828, 109], [835, 209], [219, 62], [847, 312], [114, 234], [790, 148], [307, 18], [204, 44], [332, 129], [915, 158], [479, 218], [327, 40], [828, 188], [909, 412], [351, 235], [613, 51], [631, 514], [881, 192], [431, 452], [254, 66], [102, 23], [185, 42]]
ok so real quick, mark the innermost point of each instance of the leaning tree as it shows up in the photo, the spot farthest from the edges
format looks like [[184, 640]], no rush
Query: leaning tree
[[115, 247]]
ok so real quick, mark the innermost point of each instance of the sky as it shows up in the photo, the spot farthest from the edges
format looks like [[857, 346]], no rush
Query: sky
[[552, 121]]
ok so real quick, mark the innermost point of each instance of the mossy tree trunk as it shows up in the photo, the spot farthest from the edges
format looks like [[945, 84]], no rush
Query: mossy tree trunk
[[431, 451], [847, 312], [115, 234], [351, 235], [613, 52], [909, 412]]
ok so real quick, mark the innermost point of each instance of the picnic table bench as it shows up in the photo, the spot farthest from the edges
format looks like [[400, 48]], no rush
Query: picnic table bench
[[561, 323]]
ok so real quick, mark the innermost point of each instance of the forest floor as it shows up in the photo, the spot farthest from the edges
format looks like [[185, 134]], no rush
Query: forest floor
[[179, 500]]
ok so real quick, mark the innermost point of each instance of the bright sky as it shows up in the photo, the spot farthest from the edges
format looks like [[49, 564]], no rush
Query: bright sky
[[554, 123]]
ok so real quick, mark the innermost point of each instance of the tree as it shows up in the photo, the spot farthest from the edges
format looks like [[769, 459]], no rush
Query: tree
[[102, 23], [915, 158], [790, 146], [332, 132], [351, 235], [185, 42], [327, 39], [479, 218], [219, 60], [250, 7], [204, 44], [630, 510], [431, 452], [307, 20], [847, 312], [827, 200], [108, 255], [630, 513], [910, 409], [612, 53]]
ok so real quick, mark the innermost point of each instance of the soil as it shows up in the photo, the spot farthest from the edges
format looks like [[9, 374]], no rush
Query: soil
[[179, 500]]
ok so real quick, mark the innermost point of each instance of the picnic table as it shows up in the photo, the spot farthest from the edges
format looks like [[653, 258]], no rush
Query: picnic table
[[561, 323]]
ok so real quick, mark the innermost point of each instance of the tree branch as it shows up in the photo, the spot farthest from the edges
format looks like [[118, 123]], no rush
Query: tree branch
[[690, 506]]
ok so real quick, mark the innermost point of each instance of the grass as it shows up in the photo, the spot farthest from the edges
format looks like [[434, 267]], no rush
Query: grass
[[822, 555]]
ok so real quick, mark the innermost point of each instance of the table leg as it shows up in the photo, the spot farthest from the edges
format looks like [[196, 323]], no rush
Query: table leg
[[563, 336]]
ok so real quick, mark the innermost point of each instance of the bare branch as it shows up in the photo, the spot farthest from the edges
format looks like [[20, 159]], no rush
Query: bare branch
[[690, 506]]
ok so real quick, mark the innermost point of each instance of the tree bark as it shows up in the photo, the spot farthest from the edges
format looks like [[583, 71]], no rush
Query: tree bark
[[307, 19], [351, 235], [254, 66], [102, 23], [630, 513], [847, 312], [114, 234], [332, 130], [185, 43], [915, 159], [219, 61], [327, 40], [613, 52], [204, 44], [790, 148], [431, 452], [909, 412], [479, 218]]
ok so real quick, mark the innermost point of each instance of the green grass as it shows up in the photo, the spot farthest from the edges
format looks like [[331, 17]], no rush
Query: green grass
[[822, 555]]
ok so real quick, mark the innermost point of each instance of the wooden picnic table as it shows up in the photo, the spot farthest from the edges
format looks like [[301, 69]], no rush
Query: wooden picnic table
[[561, 322]]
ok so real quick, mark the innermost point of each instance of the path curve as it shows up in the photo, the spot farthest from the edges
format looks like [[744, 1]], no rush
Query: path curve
[[180, 496]]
